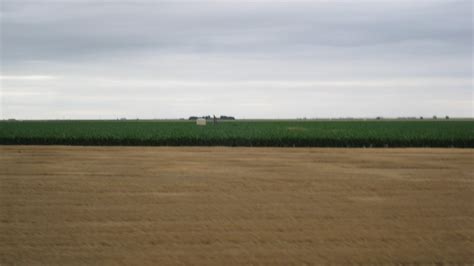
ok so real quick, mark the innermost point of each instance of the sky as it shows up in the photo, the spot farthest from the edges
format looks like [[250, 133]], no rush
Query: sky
[[85, 59]]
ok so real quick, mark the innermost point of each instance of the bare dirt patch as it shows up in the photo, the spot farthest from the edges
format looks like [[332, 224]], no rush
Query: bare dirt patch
[[222, 206]]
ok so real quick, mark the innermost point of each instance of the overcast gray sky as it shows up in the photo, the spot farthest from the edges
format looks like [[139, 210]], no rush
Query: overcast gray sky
[[251, 59]]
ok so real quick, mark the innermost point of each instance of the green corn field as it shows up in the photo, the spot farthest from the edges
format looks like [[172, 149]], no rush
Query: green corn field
[[272, 133]]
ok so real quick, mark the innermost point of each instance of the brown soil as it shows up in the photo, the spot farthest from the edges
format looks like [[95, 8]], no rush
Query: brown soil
[[223, 206]]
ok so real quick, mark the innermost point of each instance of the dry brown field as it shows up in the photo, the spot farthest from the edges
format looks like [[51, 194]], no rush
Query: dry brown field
[[64, 205]]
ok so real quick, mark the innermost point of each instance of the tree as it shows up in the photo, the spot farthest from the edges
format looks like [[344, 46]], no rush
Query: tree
[[223, 117]]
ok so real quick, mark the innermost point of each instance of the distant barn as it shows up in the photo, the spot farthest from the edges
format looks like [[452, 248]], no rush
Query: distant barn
[[201, 122]]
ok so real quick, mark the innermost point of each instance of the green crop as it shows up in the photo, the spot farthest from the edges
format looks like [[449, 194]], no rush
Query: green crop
[[390, 133]]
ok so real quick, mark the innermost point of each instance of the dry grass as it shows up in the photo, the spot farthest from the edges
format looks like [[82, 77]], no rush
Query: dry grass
[[223, 206]]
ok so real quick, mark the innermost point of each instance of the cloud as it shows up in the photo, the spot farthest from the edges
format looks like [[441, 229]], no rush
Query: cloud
[[27, 77], [84, 29], [288, 56]]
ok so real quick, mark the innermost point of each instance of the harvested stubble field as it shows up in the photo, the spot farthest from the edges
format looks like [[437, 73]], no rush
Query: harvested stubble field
[[224, 206]]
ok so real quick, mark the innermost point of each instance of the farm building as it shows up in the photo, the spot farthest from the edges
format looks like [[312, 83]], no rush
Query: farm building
[[201, 121]]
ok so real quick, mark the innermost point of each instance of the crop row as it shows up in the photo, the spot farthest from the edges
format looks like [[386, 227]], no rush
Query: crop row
[[242, 133]]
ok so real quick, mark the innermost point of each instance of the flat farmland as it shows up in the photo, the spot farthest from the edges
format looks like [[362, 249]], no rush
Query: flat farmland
[[228, 206], [450, 133]]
